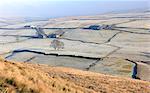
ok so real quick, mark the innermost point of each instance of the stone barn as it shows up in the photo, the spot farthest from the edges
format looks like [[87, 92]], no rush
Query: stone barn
[[56, 34]]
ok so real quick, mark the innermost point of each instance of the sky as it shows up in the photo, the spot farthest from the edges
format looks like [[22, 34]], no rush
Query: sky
[[60, 8]]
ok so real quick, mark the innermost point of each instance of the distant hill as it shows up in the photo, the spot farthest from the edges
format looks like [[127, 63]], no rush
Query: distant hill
[[141, 10]]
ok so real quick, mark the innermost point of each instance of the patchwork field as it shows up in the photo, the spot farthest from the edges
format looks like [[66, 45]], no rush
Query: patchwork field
[[120, 51]]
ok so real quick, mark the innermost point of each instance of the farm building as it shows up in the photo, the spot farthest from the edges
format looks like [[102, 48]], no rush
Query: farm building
[[100, 27], [56, 34], [29, 26], [107, 27], [95, 27]]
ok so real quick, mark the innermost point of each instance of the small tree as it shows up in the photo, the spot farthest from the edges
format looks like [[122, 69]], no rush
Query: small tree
[[56, 44]]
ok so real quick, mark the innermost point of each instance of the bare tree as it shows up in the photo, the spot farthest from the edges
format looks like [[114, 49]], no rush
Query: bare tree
[[56, 44]]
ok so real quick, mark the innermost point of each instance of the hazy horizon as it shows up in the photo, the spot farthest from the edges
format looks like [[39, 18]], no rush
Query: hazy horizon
[[61, 8]]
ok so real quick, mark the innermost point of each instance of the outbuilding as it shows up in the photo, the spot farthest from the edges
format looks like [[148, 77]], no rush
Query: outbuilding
[[95, 27], [56, 34]]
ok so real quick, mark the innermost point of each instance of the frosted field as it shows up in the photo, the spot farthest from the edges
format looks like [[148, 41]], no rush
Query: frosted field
[[137, 24], [112, 52], [90, 35]]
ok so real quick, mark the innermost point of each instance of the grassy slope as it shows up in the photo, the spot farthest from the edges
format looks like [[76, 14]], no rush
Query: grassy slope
[[34, 78]]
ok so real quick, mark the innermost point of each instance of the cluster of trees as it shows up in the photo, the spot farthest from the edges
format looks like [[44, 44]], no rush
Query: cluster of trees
[[56, 44]]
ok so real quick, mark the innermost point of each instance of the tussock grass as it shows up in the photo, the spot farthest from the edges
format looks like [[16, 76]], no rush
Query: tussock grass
[[33, 78]]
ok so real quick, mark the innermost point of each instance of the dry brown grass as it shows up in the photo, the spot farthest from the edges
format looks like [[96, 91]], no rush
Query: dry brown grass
[[34, 78]]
